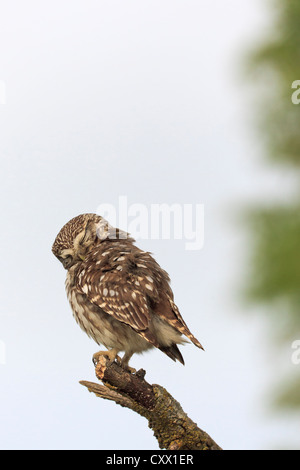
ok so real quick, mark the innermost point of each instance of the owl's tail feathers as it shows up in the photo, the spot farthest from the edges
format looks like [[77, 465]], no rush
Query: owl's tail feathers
[[195, 341], [173, 352]]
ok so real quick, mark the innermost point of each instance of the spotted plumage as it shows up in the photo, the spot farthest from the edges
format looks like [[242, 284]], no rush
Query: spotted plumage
[[119, 294]]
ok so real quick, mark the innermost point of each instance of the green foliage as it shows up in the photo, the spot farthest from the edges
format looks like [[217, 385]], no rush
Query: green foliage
[[276, 255], [274, 274], [290, 396], [277, 61]]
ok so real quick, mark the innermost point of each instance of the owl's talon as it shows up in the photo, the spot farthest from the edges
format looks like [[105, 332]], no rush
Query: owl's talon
[[125, 366], [112, 354], [118, 360], [132, 370]]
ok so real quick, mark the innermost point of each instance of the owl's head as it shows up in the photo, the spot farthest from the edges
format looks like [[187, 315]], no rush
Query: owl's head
[[76, 238], [82, 233]]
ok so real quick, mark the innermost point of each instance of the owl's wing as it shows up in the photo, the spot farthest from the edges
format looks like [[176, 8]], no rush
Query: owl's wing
[[131, 287], [117, 293]]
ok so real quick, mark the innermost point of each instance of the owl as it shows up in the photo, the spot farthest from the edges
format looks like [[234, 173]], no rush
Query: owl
[[118, 293]]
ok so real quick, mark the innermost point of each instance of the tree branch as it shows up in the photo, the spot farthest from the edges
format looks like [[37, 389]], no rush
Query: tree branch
[[172, 427]]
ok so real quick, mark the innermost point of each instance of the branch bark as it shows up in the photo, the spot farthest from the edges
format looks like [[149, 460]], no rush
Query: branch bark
[[172, 427]]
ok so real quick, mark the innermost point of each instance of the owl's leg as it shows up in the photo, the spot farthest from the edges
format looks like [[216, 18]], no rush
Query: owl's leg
[[124, 363], [112, 354]]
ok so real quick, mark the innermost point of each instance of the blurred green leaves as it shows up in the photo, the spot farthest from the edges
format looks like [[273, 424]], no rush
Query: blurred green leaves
[[276, 256], [277, 62], [274, 274]]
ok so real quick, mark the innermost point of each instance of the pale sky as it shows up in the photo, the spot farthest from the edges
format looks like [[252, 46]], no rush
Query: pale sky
[[142, 99]]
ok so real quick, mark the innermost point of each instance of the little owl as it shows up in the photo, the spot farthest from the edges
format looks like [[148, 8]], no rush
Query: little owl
[[119, 294]]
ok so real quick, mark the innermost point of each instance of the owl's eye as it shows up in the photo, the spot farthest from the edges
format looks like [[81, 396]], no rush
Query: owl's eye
[[66, 261]]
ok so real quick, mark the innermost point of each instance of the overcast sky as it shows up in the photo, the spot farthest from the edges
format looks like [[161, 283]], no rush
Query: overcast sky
[[140, 99]]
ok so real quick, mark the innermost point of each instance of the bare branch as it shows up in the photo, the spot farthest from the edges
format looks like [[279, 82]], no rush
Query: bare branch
[[172, 427]]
